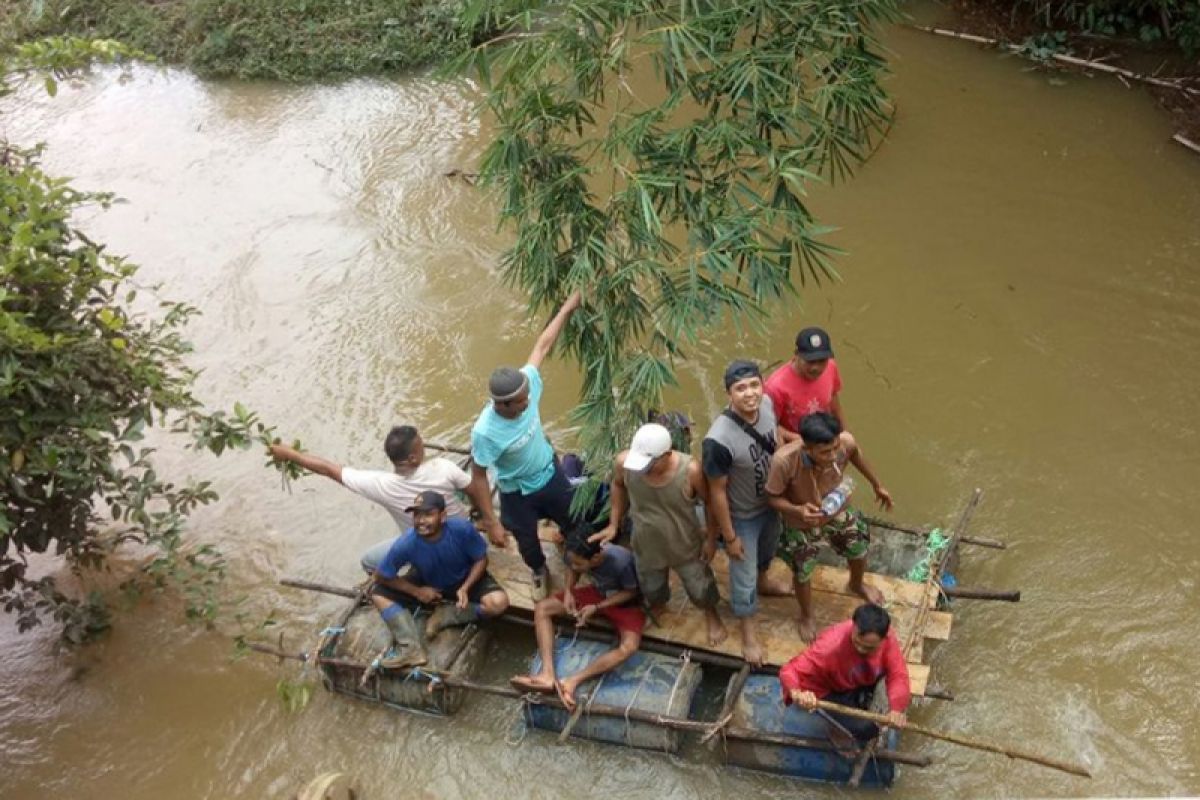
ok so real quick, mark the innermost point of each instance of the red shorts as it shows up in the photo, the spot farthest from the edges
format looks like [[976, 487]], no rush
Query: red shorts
[[623, 618]]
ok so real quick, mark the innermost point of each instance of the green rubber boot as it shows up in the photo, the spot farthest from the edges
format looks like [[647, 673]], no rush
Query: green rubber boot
[[445, 616]]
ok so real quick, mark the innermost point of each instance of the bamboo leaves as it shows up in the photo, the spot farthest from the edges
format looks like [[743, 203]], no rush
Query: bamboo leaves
[[679, 205]]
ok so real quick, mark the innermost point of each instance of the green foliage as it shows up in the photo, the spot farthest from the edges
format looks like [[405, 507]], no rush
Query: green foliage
[[279, 39], [84, 373], [682, 210], [1149, 21]]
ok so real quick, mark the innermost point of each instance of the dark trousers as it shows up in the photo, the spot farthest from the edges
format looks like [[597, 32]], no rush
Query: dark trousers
[[861, 697], [520, 514]]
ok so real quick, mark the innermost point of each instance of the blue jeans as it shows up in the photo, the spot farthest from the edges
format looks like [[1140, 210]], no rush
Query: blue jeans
[[373, 557], [760, 538]]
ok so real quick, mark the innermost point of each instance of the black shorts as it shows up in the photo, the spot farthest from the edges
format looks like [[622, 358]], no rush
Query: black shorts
[[484, 586]]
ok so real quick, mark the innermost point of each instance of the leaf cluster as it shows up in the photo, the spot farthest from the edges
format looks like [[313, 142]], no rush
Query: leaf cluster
[[677, 208]]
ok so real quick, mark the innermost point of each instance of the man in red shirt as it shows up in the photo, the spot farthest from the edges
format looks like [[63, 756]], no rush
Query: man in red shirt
[[844, 664], [808, 383]]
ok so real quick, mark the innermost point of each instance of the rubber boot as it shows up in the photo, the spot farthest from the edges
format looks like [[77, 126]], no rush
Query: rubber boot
[[408, 651], [447, 616]]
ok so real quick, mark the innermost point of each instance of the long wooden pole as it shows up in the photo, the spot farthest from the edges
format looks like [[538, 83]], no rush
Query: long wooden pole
[[978, 541], [954, 738], [1176, 84]]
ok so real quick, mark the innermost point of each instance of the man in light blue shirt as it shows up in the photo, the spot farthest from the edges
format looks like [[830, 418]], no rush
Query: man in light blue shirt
[[508, 437]]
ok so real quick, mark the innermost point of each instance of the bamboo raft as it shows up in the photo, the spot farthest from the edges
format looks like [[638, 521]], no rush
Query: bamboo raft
[[654, 690]]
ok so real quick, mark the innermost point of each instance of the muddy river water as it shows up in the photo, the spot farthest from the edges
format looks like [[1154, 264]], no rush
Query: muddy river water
[[1020, 311]]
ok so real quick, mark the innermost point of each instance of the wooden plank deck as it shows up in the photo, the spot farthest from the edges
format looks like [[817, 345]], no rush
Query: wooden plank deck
[[683, 624]]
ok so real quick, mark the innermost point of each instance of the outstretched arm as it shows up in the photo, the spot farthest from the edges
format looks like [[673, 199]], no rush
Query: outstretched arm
[[545, 342], [308, 461]]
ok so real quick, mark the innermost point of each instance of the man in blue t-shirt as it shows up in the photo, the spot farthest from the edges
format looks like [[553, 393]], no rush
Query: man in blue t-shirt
[[450, 558], [508, 437]]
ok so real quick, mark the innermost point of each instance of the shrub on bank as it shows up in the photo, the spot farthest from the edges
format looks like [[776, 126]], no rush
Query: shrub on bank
[[279, 39]]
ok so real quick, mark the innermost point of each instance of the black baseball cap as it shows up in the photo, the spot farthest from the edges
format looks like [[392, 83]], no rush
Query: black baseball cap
[[428, 501], [740, 369], [812, 344]]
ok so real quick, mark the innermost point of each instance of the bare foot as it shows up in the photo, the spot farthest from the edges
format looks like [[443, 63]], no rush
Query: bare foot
[[751, 650], [807, 628], [716, 628], [532, 683], [773, 586], [566, 693], [867, 592]]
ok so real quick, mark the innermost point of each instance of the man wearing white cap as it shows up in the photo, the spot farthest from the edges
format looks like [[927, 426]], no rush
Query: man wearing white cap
[[660, 488]]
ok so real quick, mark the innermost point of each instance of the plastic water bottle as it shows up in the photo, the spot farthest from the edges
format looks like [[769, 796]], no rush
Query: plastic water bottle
[[833, 502]]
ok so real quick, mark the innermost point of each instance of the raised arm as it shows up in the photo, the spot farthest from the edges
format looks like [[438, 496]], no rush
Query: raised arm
[[545, 342], [308, 461]]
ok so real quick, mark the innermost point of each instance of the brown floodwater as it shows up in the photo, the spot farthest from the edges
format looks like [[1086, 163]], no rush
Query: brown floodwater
[[1020, 311]]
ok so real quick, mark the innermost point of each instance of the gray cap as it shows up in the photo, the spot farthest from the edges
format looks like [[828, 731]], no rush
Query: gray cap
[[506, 383]]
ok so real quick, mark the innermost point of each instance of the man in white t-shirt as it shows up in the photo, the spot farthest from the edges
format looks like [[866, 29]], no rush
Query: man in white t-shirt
[[397, 490]]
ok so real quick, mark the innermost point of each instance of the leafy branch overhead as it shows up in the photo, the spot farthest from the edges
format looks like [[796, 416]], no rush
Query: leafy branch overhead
[[677, 205]]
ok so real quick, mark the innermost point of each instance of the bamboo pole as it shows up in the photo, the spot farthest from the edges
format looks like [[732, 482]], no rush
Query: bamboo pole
[[1186, 142], [969, 593], [736, 684], [953, 738], [1120, 72], [978, 541], [449, 448]]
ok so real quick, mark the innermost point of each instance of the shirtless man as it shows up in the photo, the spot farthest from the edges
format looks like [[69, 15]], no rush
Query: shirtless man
[[802, 474]]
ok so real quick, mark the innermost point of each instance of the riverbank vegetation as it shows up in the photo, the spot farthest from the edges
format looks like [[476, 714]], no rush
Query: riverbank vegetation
[[288, 40], [1161, 37], [91, 361]]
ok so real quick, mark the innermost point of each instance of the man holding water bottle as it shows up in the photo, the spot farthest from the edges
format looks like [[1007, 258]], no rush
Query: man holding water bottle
[[808, 485]]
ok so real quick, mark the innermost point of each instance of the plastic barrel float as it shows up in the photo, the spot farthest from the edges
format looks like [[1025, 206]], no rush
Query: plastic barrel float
[[759, 708], [647, 682], [348, 661]]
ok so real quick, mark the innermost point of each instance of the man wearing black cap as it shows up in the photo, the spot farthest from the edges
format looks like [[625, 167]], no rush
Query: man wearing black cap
[[808, 383], [450, 557], [736, 458], [508, 437]]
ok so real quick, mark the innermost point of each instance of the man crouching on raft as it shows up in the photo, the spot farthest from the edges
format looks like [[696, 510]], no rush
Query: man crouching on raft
[[843, 665], [613, 595]]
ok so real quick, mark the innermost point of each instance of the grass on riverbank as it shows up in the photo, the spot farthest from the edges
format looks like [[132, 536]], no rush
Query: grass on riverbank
[[288, 40]]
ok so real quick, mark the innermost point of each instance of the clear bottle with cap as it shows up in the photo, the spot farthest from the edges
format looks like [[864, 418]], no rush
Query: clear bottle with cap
[[833, 502]]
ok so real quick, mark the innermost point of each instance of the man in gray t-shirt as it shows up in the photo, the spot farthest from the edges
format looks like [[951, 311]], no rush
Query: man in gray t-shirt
[[736, 458]]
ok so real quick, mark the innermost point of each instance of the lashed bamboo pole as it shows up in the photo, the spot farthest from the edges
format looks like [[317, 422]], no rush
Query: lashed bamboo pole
[[954, 738], [1120, 72], [978, 541]]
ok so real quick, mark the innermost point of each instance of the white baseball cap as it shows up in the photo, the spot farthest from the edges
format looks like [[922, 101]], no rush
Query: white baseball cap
[[650, 442]]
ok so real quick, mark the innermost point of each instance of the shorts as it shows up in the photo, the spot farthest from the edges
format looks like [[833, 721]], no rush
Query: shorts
[[697, 579], [624, 618], [847, 533], [484, 586]]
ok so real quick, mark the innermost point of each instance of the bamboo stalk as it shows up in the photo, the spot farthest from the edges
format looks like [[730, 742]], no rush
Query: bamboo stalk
[[1065, 59], [1186, 142], [953, 738], [978, 541], [969, 593], [449, 448]]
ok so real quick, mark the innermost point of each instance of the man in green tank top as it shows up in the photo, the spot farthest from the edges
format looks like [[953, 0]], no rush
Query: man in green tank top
[[660, 488]]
